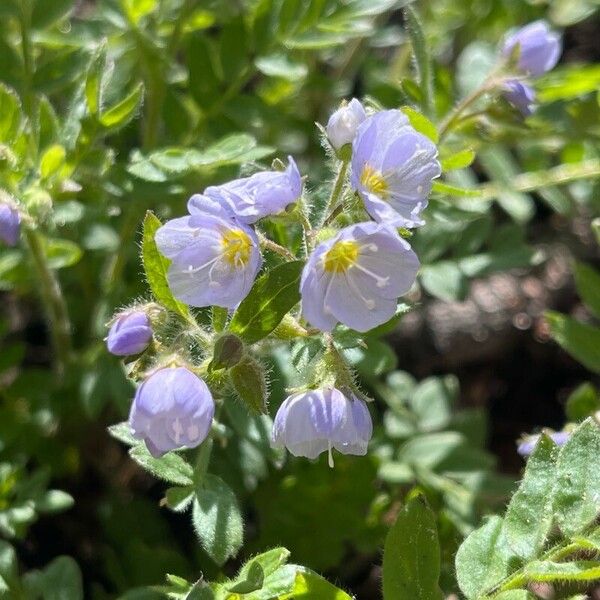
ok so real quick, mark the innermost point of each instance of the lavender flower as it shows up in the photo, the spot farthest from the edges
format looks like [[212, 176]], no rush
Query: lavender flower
[[130, 334], [10, 224], [526, 447], [215, 259], [171, 409], [312, 422], [393, 168], [343, 123], [539, 47], [520, 95], [357, 277], [265, 193]]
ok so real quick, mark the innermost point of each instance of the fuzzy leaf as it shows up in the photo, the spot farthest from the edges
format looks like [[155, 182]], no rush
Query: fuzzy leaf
[[120, 114], [170, 467]]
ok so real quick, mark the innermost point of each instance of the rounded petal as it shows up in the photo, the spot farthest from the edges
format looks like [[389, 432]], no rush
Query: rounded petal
[[520, 95], [130, 334], [343, 123]]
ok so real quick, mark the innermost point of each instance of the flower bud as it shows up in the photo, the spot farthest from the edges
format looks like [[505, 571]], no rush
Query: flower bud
[[10, 224], [248, 380], [227, 352], [130, 334], [343, 123], [520, 95], [173, 408]]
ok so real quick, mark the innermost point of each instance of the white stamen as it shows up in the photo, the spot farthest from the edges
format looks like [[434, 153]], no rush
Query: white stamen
[[369, 303], [193, 432], [330, 457], [177, 430], [380, 281]]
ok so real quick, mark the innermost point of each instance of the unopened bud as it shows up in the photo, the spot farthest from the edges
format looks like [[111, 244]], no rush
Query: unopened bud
[[227, 352]]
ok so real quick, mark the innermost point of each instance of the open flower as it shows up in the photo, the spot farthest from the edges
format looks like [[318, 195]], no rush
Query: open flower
[[316, 421], [520, 95], [393, 168], [173, 408], [215, 259], [129, 334], [343, 123], [265, 193], [10, 224], [539, 47], [357, 277]]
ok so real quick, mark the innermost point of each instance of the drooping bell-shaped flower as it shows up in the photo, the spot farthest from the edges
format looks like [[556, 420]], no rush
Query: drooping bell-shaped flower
[[316, 421], [520, 95], [343, 123], [539, 47], [10, 224], [262, 194], [129, 334], [171, 409], [527, 446], [215, 258], [393, 168], [356, 277]]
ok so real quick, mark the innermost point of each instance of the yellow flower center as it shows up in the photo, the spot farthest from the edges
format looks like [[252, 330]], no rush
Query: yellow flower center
[[237, 247], [374, 181], [341, 257]]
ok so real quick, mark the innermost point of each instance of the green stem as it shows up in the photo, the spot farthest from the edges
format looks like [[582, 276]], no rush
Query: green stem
[[268, 244], [336, 192], [54, 302]]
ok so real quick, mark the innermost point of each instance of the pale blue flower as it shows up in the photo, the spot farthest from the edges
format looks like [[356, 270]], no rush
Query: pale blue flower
[[393, 168], [316, 421], [171, 409], [357, 277], [215, 258], [343, 123], [262, 194], [526, 447], [130, 333], [10, 224], [520, 95], [539, 47]]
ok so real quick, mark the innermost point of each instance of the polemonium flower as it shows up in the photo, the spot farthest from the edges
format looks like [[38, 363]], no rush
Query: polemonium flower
[[265, 193], [173, 408], [393, 168], [539, 47], [316, 421], [520, 95], [357, 277], [129, 334], [343, 123], [215, 258], [10, 224], [526, 447]]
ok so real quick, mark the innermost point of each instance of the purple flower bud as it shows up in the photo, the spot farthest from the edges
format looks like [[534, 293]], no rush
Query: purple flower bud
[[393, 168], [214, 258], [343, 123], [356, 277], [10, 224], [316, 421], [526, 447], [130, 334], [172, 409], [539, 47], [262, 194], [520, 95]]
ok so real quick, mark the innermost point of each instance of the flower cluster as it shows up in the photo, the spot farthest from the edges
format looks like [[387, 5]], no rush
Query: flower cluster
[[538, 49], [353, 276]]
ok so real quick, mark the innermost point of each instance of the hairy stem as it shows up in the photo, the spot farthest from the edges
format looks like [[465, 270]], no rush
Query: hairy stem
[[54, 302], [268, 244], [336, 192]]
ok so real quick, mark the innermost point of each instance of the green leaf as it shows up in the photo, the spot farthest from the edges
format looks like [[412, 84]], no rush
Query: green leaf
[[93, 81], [308, 585], [580, 340], [280, 65], [459, 160], [444, 280], [122, 432], [482, 559], [270, 299], [529, 515], [155, 267], [568, 82], [61, 253], [171, 467], [52, 160], [179, 498], [582, 402], [411, 557], [421, 123], [249, 382], [587, 281], [577, 570], [10, 114], [432, 402], [515, 595], [61, 580], [577, 501], [446, 189], [118, 115], [217, 519], [46, 12]]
